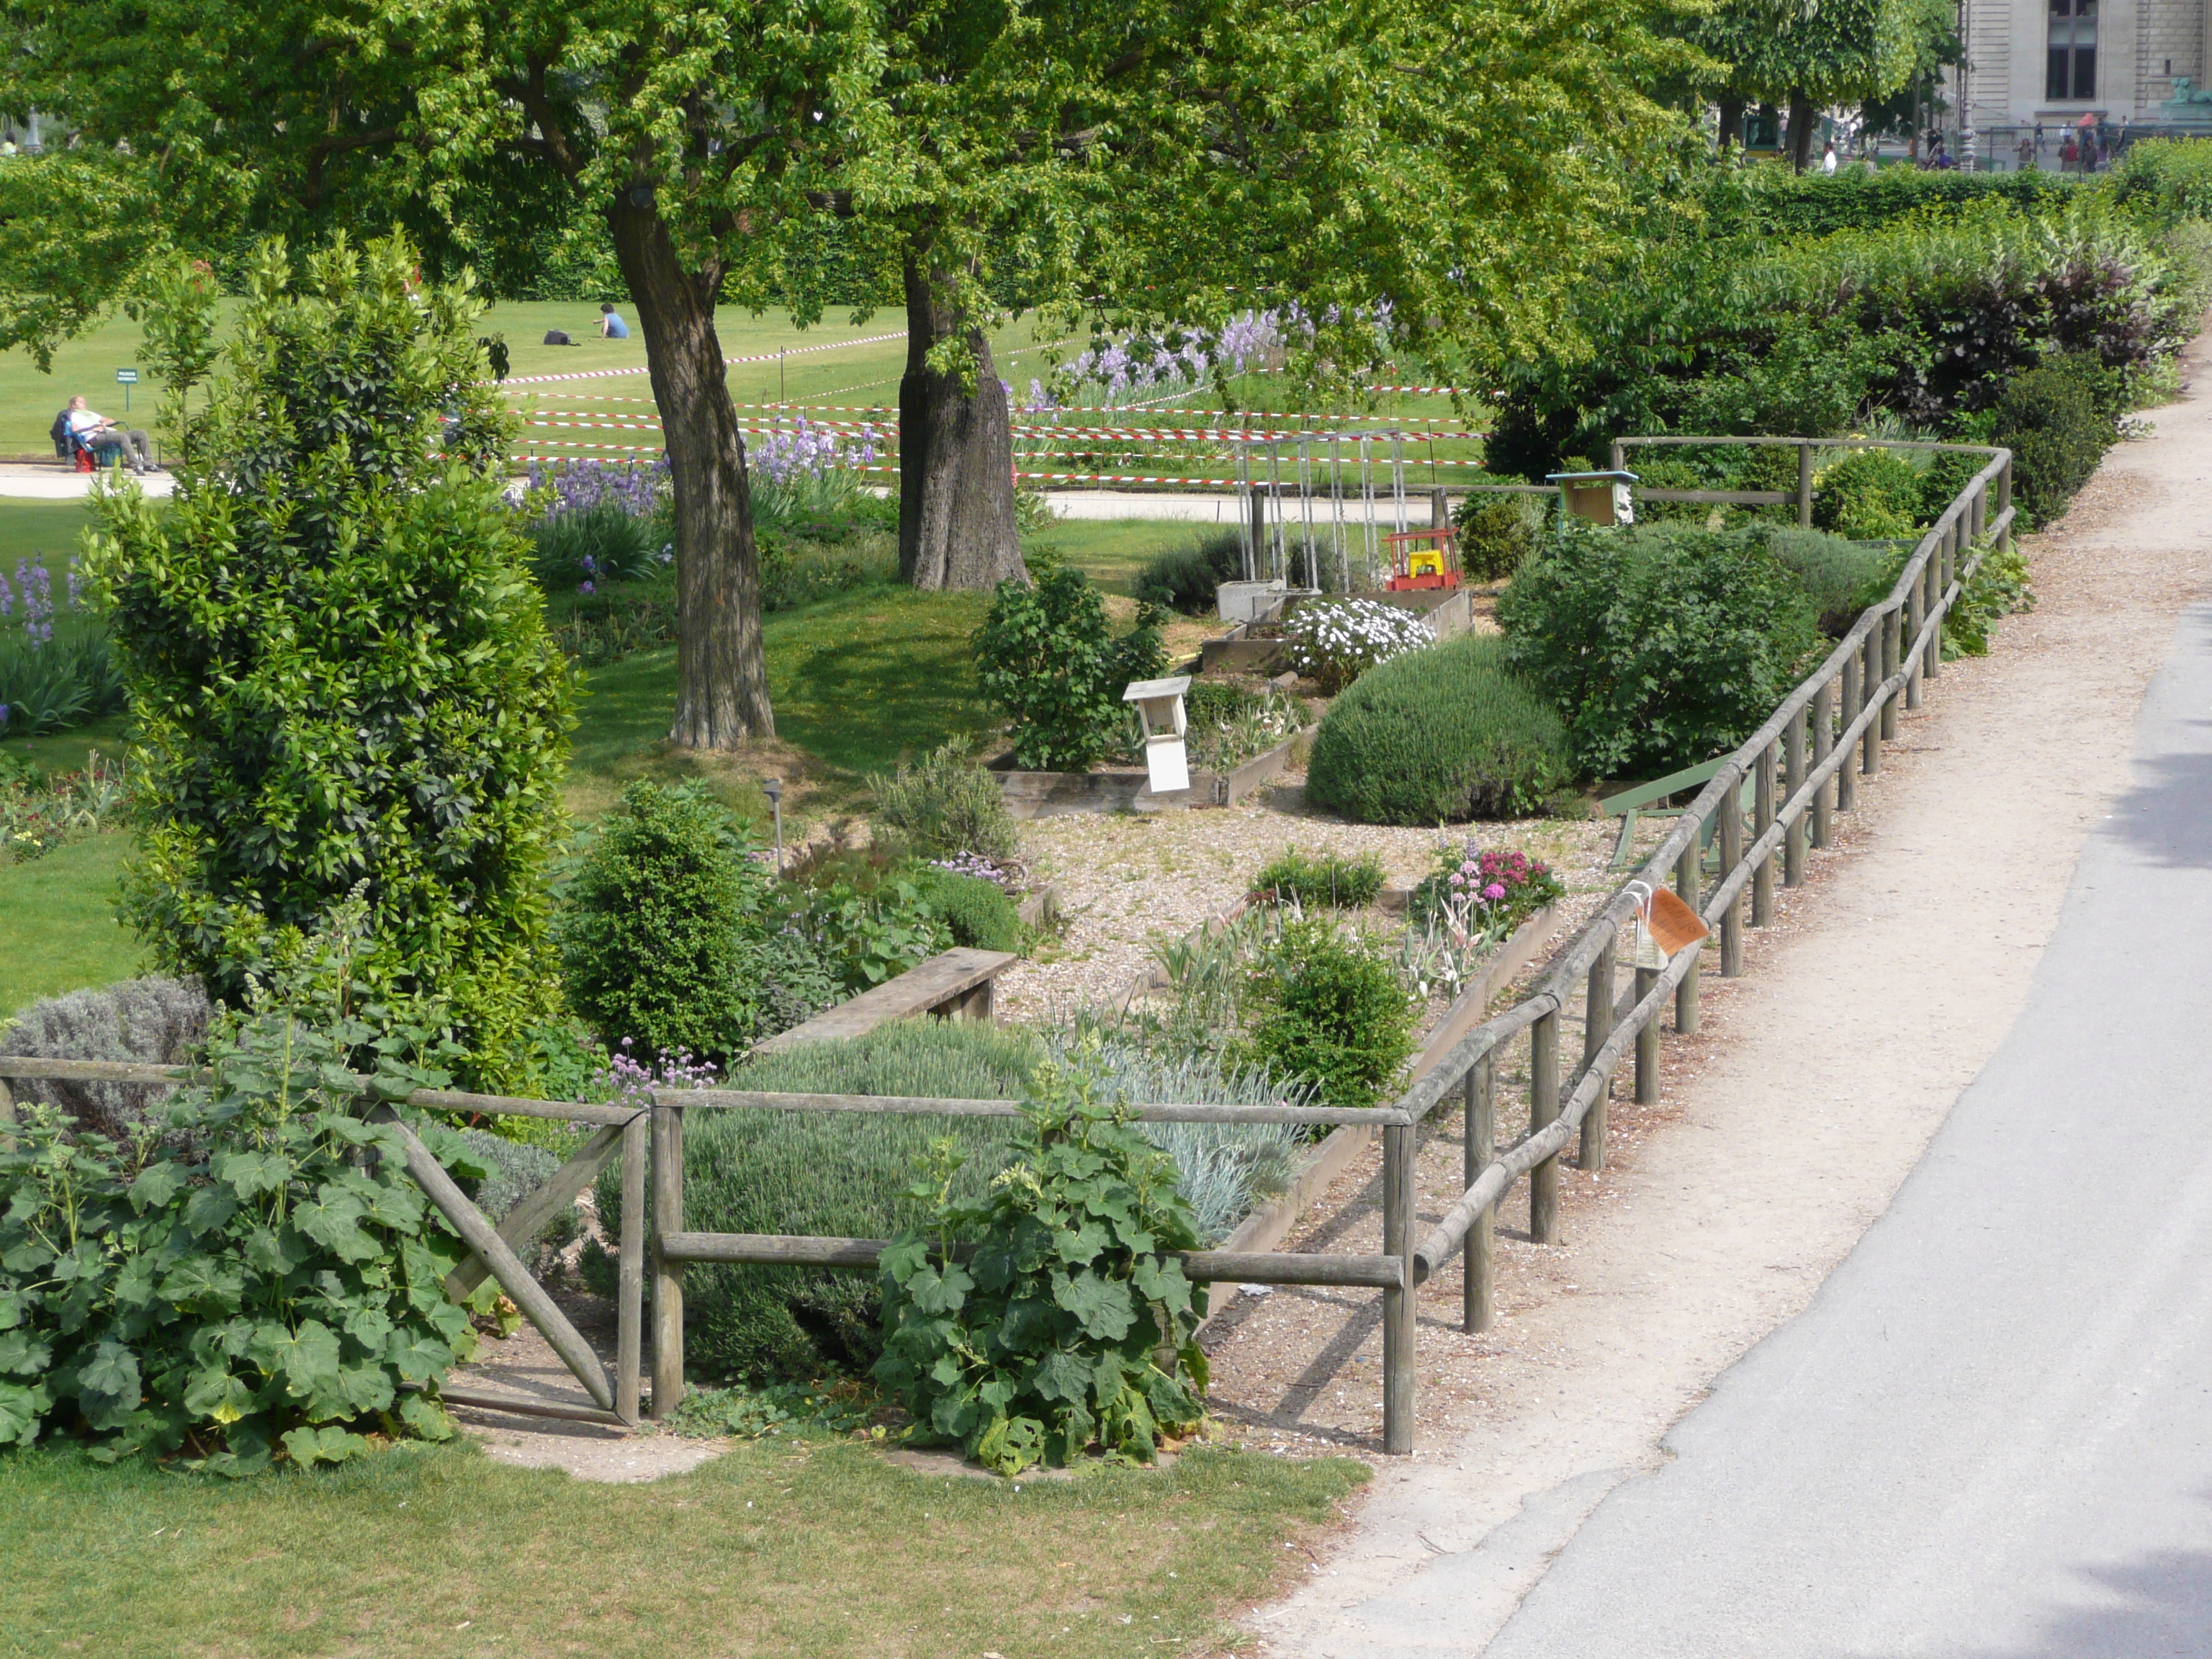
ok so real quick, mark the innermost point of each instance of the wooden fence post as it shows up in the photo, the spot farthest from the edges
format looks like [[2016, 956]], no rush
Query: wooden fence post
[[1731, 856], [1685, 991], [1939, 583], [1762, 877], [1847, 782], [1804, 486], [1597, 1029], [1793, 779], [1543, 1109], [2004, 500], [1824, 744], [630, 1297], [1399, 1312], [1479, 1265], [7, 1117], [1916, 616], [1647, 1041], [667, 1276], [1892, 649]]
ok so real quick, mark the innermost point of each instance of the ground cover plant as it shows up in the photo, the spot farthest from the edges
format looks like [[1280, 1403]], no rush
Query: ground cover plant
[[234, 1282], [332, 621], [1335, 641], [815, 1548], [1071, 1325], [1661, 645], [1445, 734], [1328, 880]]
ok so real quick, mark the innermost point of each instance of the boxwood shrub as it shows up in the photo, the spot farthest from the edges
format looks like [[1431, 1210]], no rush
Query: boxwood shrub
[[1450, 732], [1663, 645]]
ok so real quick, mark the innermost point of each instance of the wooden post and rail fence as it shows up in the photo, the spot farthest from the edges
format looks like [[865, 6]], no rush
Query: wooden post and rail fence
[[1801, 763]]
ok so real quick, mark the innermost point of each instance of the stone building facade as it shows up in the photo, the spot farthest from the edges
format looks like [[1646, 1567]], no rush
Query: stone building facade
[[2052, 62]]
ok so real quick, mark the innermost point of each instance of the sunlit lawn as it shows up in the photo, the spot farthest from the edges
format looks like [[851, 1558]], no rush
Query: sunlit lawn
[[807, 1551]]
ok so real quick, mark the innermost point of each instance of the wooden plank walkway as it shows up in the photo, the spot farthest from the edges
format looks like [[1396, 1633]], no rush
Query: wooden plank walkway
[[957, 985]]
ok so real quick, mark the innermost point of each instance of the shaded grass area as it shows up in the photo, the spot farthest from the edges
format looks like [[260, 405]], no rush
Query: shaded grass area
[[1112, 551], [39, 530], [778, 1548], [57, 926]]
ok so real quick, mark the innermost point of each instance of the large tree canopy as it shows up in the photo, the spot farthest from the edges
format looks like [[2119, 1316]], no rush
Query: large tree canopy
[[1409, 172], [1811, 54]]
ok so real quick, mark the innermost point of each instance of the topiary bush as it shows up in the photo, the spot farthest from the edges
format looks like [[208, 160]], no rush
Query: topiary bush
[[339, 677], [654, 936], [2058, 420], [1185, 578], [1327, 1011], [1047, 659], [979, 911], [943, 807], [1661, 644], [1445, 734]]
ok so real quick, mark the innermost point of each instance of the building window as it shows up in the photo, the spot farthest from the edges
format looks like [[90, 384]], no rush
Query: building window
[[2072, 73]]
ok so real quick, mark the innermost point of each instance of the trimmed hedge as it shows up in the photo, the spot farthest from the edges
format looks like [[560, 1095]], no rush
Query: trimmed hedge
[[1446, 733], [2058, 420], [1663, 645]]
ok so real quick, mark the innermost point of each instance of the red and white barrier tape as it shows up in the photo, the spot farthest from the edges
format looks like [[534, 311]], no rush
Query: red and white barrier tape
[[761, 357]]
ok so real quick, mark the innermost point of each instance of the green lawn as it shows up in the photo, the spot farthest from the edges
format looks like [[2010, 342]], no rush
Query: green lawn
[[42, 532], [776, 1549], [60, 931]]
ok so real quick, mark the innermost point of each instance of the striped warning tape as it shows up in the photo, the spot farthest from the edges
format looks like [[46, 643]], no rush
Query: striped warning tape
[[758, 357], [1131, 434]]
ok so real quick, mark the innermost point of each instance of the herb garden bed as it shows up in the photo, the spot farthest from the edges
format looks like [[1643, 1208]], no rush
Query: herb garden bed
[[1128, 789]]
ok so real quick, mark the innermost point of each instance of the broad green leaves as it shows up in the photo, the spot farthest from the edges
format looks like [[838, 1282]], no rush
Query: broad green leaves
[[245, 1298], [1050, 1340]]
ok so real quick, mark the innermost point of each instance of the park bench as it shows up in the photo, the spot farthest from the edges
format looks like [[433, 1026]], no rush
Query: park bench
[[1645, 798], [957, 985]]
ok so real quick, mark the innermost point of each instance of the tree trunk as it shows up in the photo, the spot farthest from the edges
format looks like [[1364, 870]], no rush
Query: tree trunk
[[956, 457], [1731, 123], [721, 672], [1801, 131]]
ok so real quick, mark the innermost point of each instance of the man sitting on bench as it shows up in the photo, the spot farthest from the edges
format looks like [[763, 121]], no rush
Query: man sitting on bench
[[109, 442]]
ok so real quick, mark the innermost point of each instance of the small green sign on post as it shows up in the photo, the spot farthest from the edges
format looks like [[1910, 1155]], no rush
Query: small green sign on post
[[126, 378]]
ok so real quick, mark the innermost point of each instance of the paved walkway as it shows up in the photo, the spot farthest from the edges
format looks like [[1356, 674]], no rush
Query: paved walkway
[[1990, 1434]]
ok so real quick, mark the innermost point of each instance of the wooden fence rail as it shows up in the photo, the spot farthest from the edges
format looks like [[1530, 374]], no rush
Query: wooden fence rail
[[1801, 762]]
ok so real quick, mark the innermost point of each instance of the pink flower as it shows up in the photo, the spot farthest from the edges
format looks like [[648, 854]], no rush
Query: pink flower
[[1458, 880], [1493, 892]]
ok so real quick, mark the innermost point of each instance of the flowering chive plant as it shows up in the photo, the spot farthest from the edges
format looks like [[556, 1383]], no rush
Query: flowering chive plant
[[1472, 902], [629, 1082], [975, 865], [1335, 641]]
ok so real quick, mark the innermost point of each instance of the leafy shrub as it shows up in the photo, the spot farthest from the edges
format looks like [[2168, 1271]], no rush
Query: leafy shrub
[[599, 543], [1327, 1011], [944, 806], [142, 1022], [1841, 578], [2164, 181], [1496, 532], [51, 684], [1051, 1338], [1489, 890], [2058, 420], [1447, 733], [1775, 202], [1184, 578], [339, 668], [1335, 641], [242, 1282], [1661, 645], [1293, 877], [871, 931], [1046, 659], [1870, 493], [651, 937], [978, 912]]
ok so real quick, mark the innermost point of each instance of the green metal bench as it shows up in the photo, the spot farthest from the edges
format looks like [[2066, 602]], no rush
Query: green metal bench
[[1630, 803]]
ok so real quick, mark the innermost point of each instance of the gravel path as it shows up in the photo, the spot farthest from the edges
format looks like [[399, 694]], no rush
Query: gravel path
[[1128, 879]]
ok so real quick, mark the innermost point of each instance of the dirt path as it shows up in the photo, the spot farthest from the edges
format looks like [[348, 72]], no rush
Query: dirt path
[[1786, 1127]]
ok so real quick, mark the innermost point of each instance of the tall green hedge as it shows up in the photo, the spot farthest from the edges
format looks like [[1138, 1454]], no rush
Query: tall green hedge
[[1448, 732], [338, 672]]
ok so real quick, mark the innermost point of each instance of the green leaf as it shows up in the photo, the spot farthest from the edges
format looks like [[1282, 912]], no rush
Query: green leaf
[[333, 1219], [308, 1447], [1101, 1306], [157, 1183], [274, 1252], [204, 1284], [425, 1417], [370, 1326], [22, 1354], [1062, 1375], [417, 1356], [107, 1386], [217, 1395], [305, 1359], [251, 1174], [22, 1409], [210, 1208]]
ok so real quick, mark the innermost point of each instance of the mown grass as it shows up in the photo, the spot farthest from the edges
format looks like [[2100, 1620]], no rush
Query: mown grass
[[57, 926], [812, 1550]]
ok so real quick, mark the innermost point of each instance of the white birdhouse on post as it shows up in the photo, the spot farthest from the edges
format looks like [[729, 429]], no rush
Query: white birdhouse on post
[[1159, 708]]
